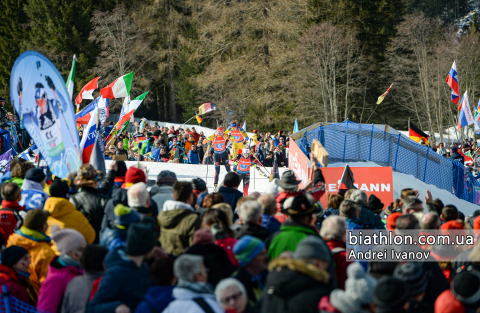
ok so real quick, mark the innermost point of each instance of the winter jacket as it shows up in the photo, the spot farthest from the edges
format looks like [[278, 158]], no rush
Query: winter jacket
[[119, 196], [287, 239], [270, 223], [231, 196], [317, 192], [41, 253], [368, 217], [78, 292], [160, 194], [201, 154], [227, 244], [123, 282], [156, 299], [54, 286], [254, 230], [196, 136], [184, 302], [294, 286], [193, 157], [33, 196], [63, 214], [338, 249], [253, 285], [9, 226], [178, 221], [457, 157], [91, 202], [18, 285], [188, 146]]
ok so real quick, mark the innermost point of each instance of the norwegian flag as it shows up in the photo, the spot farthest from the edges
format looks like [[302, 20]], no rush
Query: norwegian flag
[[452, 81]]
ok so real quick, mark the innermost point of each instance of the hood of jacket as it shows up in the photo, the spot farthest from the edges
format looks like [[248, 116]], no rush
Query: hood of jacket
[[290, 277], [162, 189], [173, 213], [159, 296], [28, 238], [172, 205], [180, 293], [58, 206], [32, 185]]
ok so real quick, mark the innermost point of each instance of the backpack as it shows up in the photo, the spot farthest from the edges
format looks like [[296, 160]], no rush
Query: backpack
[[10, 221]]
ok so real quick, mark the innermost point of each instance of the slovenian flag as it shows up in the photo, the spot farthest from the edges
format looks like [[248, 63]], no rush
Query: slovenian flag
[[87, 91], [71, 76], [84, 115], [120, 88], [129, 109], [466, 117], [91, 144], [452, 81], [207, 107]]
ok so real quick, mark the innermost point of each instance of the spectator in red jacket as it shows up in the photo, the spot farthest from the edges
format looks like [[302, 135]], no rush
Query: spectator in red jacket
[[14, 274], [333, 231]]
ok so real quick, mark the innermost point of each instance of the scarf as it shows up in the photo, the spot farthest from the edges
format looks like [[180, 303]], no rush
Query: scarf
[[198, 287], [66, 260]]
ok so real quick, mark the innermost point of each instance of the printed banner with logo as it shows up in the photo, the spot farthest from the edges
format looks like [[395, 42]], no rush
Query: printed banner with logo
[[372, 180], [39, 95], [298, 163]]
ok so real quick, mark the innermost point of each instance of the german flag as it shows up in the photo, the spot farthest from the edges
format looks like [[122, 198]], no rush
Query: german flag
[[207, 107], [416, 134], [199, 119]]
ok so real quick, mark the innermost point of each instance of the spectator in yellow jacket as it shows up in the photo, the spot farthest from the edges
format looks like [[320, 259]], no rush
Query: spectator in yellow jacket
[[32, 237], [63, 213]]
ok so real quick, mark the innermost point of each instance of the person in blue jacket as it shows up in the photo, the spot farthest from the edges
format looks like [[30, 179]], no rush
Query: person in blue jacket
[[193, 156], [160, 295], [6, 139]]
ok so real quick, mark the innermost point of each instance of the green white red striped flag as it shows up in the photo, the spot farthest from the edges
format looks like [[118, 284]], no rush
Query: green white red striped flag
[[120, 88], [129, 109], [71, 77]]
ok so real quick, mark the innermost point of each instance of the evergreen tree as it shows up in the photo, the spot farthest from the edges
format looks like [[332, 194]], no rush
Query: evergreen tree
[[12, 31]]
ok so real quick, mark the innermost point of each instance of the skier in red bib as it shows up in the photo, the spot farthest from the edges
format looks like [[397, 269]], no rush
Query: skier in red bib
[[243, 162], [220, 154]]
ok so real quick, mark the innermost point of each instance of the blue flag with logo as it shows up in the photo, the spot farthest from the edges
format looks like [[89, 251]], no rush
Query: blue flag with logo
[[5, 161], [39, 95]]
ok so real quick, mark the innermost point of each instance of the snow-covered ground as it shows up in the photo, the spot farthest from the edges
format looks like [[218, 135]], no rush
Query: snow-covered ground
[[190, 171], [259, 183]]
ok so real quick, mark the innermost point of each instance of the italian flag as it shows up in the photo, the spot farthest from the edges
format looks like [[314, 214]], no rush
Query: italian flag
[[120, 88], [71, 77], [129, 109]]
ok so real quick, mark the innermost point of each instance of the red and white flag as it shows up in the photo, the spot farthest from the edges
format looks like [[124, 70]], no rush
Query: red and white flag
[[87, 91]]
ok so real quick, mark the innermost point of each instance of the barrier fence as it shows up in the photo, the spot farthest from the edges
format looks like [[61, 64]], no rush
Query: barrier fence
[[10, 304], [351, 142]]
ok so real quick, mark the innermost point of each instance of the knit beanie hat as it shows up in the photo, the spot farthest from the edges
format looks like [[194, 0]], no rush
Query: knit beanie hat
[[59, 188], [140, 239], [35, 219], [447, 303], [12, 255], [466, 288], [35, 174], [199, 184], [272, 188], [412, 274], [166, 176], [359, 289], [232, 179], [203, 236], [121, 169], [124, 216], [390, 294], [312, 247], [134, 175], [67, 239], [247, 248]]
